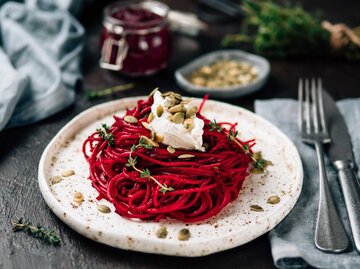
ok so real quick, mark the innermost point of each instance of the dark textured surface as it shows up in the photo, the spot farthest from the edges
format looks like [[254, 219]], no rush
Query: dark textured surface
[[21, 148]]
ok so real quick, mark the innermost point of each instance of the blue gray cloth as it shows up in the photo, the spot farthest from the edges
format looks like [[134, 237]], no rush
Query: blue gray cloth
[[292, 241], [39, 61]]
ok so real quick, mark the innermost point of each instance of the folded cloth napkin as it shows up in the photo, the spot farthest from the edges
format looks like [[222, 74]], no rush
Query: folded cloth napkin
[[40, 62], [292, 241]]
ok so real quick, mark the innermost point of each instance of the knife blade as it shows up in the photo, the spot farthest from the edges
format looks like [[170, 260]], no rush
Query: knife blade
[[341, 155]]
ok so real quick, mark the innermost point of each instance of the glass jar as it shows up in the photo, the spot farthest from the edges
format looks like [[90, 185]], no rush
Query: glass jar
[[135, 39]]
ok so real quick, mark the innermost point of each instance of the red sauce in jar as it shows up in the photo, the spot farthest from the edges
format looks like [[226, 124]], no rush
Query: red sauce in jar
[[135, 40]]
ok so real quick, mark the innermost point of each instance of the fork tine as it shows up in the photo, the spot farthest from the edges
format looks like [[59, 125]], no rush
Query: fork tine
[[301, 105], [315, 106], [321, 107], [307, 107]]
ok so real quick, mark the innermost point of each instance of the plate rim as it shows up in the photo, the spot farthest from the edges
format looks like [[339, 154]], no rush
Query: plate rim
[[78, 224]]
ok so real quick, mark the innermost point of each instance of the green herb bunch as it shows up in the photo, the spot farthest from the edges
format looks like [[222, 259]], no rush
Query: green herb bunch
[[277, 30]]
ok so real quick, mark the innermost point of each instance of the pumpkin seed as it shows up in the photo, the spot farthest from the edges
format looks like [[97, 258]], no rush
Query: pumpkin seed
[[148, 141], [78, 197], [186, 156], [256, 208], [183, 234], [191, 111], [159, 138], [56, 179], [176, 108], [178, 117], [68, 173], [150, 117], [152, 135], [103, 208], [161, 232], [186, 101], [189, 123], [166, 93], [130, 119], [170, 149], [159, 110], [145, 124], [153, 91], [273, 200]]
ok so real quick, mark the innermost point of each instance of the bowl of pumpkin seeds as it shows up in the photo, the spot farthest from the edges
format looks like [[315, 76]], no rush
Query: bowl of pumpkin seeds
[[224, 74]]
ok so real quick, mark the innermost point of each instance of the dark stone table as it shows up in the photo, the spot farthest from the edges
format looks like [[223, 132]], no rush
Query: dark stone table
[[21, 148]]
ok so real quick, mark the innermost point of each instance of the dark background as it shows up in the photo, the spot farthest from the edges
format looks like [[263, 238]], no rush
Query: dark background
[[21, 148]]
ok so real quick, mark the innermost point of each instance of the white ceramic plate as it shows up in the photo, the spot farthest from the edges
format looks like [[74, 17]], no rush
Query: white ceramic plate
[[232, 227]]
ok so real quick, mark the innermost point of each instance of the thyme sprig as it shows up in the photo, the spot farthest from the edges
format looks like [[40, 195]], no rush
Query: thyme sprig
[[49, 236], [105, 134], [144, 173], [109, 91], [257, 160]]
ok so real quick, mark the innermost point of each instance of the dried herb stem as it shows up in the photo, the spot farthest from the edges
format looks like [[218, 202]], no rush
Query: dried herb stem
[[108, 91], [44, 234]]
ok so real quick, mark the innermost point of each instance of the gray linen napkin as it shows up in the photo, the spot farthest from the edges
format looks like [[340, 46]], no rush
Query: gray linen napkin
[[292, 241], [40, 62]]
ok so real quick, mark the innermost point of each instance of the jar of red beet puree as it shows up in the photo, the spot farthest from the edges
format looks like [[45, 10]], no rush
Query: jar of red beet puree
[[135, 39]]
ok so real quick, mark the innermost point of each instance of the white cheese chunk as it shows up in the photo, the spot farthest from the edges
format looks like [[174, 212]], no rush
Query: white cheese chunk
[[176, 135]]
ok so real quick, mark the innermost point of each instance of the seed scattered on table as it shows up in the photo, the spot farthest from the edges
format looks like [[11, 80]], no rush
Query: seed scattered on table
[[103, 208], [68, 173]]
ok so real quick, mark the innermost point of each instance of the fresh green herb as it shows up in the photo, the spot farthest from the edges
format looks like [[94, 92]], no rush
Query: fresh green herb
[[109, 91], [280, 29], [258, 162], [105, 133], [215, 127], [46, 235], [144, 173]]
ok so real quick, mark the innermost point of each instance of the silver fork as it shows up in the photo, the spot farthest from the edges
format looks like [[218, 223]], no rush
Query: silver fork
[[330, 235]]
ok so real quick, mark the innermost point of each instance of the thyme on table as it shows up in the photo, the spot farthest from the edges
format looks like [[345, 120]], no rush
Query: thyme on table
[[105, 134], [49, 236], [145, 173], [109, 91]]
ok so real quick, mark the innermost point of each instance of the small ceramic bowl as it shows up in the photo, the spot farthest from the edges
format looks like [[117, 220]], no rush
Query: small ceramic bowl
[[259, 62]]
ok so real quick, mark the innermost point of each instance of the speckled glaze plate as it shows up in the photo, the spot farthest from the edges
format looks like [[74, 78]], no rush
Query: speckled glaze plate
[[234, 226]]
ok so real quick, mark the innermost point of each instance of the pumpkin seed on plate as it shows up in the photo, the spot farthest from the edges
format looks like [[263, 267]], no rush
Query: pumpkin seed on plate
[[103, 208], [150, 117], [130, 119], [176, 108], [78, 197], [189, 123], [256, 208], [273, 200], [159, 110], [186, 156], [178, 117], [68, 173], [161, 232], [170, 149], [183, 234], [191, 111]]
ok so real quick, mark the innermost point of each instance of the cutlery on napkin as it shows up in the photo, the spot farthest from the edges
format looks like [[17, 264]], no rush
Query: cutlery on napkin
[[292, 240]]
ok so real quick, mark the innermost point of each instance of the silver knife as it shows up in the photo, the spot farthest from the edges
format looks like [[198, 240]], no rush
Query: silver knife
[[341, 155]]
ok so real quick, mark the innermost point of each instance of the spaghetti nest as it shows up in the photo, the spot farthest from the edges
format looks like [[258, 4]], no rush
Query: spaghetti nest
[[147, 182]]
